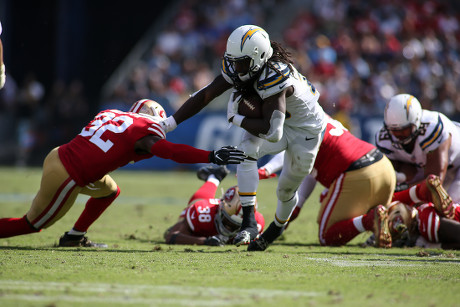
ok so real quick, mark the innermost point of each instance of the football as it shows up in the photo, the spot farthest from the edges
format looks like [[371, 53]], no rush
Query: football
[[250, 106]]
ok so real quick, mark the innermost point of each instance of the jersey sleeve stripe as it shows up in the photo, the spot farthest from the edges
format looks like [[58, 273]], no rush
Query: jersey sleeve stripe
[[275, 79], [189, 220], [434, 135], [158, 130]]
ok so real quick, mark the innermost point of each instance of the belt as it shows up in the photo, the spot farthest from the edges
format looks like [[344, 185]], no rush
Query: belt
[[368, 159]]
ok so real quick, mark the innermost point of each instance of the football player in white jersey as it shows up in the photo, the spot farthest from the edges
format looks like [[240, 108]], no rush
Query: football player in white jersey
[[2, 65], [292, 120], [421, 142]]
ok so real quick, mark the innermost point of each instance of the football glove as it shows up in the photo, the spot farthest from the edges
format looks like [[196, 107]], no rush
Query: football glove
[[2, 76], [213, 241], [232, 106], [263, 174], [227, 155], [169, 124]]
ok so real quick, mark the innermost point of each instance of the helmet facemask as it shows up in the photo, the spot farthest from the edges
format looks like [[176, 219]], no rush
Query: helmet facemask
[[249, 44], [228, 219], [402, 118]]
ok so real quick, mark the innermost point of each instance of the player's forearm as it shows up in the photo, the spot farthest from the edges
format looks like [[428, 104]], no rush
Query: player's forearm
[[180, 153], [181, 238]]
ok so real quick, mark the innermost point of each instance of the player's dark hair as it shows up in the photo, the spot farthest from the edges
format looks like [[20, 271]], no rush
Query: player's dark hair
[[280, 54]]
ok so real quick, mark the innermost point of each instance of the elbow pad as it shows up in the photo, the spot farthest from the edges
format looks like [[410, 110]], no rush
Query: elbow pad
[[275, 133]]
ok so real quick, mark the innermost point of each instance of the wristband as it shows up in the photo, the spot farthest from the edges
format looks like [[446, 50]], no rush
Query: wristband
[[238, 119]]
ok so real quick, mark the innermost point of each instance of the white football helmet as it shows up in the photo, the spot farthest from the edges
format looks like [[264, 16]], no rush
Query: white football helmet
[[403, 111], [249, 42], [149, 107], [229, 217]]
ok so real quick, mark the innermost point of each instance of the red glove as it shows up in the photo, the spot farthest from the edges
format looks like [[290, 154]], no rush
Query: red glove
[[264, 175]]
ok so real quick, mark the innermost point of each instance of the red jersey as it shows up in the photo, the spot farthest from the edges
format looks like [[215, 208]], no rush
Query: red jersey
[[201, 215], [107, 143], [338, 150], [428, 221]]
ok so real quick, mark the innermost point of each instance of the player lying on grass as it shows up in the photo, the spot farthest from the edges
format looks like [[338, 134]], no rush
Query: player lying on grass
[[424, 224], [111, 140], [208, 220], [360, 182]]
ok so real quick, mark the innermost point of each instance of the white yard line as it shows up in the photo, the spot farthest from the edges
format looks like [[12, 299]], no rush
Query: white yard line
[[128, 294]]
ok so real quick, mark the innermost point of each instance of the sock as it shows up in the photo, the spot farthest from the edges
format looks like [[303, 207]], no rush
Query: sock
[[74, 232], [93, 209], [213, 179], [10, 227], [272, 232], [207, 190], [340, 233], [249, 219], [413, 195], [284, 210]]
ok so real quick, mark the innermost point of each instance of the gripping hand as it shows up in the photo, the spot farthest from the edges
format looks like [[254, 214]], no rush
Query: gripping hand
[[227, 155], [214, 241], [2, 76], [232, 107]]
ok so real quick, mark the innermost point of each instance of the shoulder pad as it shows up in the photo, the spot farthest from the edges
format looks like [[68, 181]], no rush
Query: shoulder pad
[[274, 74], [436, 134]]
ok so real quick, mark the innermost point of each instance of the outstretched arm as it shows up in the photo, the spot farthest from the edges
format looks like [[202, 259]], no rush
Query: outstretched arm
[[182, 153], [181, 233], [201, 99]]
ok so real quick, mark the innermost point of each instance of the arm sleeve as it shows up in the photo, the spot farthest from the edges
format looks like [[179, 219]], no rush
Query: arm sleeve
[[180, 153]]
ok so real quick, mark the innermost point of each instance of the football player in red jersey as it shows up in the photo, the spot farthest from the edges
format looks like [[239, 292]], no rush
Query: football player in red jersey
[[208, 220], [111, 140], [424, 225]]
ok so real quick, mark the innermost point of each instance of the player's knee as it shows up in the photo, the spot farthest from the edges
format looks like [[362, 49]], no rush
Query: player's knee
[[286, 194]]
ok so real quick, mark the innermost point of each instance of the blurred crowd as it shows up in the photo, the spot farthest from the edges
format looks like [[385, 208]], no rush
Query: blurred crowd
[[358, 53]]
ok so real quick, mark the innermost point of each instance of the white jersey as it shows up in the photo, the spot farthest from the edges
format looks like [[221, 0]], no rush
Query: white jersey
[[435, 128], [302, 108]]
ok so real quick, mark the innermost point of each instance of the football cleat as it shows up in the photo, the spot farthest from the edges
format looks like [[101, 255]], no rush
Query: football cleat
[[243, 237], [220, 172], [78, 241], [258, 245], [381, 229], [441, 200]]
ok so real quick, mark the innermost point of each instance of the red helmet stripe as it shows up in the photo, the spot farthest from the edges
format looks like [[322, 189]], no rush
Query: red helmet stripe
[[138, 105]]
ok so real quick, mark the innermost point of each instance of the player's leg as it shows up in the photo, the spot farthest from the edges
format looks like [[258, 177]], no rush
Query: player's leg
[[212, 175], [299, 159], [248, 181], [355, 203], [56, 195], [103, 193]]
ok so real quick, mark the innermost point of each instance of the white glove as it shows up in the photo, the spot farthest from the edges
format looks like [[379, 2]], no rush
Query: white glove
[[2, 76], [232, 107], [169, 124]]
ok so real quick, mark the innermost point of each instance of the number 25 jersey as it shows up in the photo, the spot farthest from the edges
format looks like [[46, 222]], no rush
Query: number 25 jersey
[[107, 143]]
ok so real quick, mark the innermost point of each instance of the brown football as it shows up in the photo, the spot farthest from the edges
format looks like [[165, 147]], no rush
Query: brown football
[[250, 106]]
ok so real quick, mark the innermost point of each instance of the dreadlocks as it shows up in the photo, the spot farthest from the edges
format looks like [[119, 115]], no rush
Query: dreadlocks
[[280, 54]]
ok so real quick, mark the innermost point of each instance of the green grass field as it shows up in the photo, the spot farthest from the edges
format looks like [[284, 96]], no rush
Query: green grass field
[[139, 270]]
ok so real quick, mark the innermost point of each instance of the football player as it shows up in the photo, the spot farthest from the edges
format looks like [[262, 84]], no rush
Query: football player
[[421, 140], [208, 220], [359, 182], [111, 140], [424, 226], [292, 120], [2, 65]]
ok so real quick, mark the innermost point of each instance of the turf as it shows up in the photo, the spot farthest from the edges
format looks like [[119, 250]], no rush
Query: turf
[[138, 269]]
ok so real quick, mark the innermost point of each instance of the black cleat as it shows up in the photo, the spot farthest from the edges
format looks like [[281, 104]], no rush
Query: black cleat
[[78, 241], [258, 245], [220, 172]]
